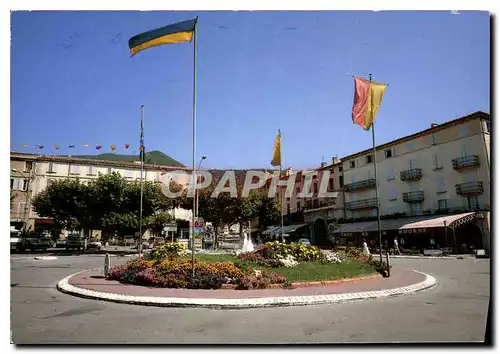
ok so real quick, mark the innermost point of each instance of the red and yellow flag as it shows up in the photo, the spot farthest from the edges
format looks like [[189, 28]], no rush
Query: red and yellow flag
[[367, 99]]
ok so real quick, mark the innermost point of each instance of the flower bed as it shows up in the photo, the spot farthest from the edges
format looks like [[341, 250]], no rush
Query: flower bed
[[271, 265], [277, 254]]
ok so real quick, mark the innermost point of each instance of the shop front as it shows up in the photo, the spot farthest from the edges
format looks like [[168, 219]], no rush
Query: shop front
[[459, 233]]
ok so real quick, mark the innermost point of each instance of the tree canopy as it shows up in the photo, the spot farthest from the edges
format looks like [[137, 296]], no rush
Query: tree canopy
[[109, 202], [226, 210]]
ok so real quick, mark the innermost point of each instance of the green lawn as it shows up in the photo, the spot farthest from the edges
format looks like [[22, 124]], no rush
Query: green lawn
[[305, 271], [211, 258], [315, 271]]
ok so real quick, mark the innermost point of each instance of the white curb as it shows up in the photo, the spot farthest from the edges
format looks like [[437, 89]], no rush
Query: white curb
[[44, 258], [431, 257], [65, 287]]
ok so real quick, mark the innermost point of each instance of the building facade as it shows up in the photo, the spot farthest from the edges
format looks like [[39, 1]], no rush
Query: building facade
[[445, 167], [31, 174], [443, 170]]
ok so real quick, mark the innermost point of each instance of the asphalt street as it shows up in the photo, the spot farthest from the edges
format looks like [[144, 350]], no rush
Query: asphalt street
[[455, 311]]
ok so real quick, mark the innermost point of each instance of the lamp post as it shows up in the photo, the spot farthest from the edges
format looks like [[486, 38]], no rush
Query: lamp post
[[26, 199]]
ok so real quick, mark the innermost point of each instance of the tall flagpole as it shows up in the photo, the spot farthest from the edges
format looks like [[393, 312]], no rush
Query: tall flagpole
[[281, 199], [376, 181], [281, 193], [142, 152], [195, 34]]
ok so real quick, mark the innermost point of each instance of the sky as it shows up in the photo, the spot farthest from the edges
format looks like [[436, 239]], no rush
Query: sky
[[73, 81]]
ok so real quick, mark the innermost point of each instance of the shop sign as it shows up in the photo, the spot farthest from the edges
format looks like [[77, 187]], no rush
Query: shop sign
[[413, 231]]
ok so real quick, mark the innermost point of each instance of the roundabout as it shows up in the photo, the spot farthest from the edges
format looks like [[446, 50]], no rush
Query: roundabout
[[42, 314], [91, 284]]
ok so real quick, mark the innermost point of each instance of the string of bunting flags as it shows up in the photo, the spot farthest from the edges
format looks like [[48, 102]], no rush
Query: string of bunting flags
[[113, 147]]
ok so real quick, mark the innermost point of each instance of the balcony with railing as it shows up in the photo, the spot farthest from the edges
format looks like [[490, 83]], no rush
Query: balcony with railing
[[465, 162], [320, 203], [413, 197], [469, 188], [412, 174], [362, 204], [365, 184]]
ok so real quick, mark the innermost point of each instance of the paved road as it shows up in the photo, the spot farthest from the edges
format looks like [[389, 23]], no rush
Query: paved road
[[453, 311]]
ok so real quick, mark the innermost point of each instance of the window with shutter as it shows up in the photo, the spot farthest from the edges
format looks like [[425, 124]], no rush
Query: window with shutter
[[390, 173], [473, 202], [28, 165], [440, 184]]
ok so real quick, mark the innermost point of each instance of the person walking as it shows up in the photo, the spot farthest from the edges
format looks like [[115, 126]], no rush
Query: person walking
[[396, 246]]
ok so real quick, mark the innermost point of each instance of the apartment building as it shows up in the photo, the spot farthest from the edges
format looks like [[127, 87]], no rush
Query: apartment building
[[438, 179], [30, 174], [307, 214], [20, 190]]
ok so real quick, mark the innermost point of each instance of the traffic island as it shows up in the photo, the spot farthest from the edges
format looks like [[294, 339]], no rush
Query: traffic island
[[91, 284]]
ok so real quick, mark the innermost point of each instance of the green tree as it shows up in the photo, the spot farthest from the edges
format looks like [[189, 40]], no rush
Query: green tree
[[217, 211], [269, 212], [62, 201], [153, 199], [108, 203], [158, 221]]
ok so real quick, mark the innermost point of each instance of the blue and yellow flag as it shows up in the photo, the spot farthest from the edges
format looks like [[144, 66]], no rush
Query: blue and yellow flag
[[176, 33]]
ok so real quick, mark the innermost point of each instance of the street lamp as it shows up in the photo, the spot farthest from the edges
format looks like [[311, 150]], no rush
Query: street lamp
[[26, 196]]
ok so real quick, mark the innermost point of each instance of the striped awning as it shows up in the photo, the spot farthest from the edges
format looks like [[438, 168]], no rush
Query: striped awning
[[291, 228], [423, 222], [286, 229], [271, 230]]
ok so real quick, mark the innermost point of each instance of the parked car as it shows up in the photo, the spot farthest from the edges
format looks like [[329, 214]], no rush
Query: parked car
[[145, 245], [60, 243], [94, 244], [15, 242], [158, 241], [305, 241], [129, 241], [74, 241], [34, 243]]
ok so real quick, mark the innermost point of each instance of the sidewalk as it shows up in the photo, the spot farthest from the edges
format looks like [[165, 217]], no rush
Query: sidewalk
[[91, 284]]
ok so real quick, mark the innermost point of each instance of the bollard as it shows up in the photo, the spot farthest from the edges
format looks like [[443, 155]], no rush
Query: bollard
[[107, 263]]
